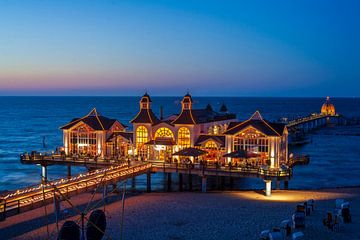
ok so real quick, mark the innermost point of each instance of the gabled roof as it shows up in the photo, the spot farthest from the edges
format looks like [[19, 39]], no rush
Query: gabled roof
[[256, 121], [126, 135], [220, 139], [94, 120], [145, 116], [198, 116]]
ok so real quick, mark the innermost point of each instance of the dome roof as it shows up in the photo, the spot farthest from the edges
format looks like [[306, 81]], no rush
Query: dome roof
[[328, 108]]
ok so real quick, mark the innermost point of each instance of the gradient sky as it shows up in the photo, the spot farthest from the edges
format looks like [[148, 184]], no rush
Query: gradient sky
[[235, 48]]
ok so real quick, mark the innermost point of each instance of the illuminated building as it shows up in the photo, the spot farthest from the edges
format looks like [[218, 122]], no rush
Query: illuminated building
[[328, 108], [159, 139], [266, 140], [88, 135]]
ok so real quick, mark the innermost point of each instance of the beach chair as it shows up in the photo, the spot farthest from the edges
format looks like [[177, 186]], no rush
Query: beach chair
[[264, 235], [298, 219], [297, 236], [285, 227], [301, 208], [276, 235], [311, 203], [345, 214], [338, 203]]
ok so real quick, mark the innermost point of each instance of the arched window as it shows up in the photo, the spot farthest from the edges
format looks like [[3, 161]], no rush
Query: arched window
[[210, 145], [141, 139], [184, 137], [164, 133]]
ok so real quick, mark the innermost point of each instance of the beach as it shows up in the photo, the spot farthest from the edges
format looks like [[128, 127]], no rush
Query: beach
[[194, 215]]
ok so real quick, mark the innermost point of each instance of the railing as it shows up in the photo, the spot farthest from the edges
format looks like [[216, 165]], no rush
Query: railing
[[215, 170], [31, 196]]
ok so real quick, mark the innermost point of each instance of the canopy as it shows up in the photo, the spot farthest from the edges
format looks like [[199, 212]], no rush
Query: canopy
[[190, 152], [241, 154]]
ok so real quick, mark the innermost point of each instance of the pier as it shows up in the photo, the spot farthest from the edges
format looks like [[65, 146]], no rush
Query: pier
[[25, 199]]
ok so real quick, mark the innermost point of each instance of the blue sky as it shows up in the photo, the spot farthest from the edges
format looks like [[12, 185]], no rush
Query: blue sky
[[234, 48]]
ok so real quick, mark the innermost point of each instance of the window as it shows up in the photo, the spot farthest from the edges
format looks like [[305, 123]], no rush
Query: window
[[184, 137], [210, 145], [141, 139], [251, 140], [164, 133]]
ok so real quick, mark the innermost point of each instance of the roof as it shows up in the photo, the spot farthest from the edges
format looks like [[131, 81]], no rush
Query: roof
[[126, 135], [257, 122], [220, 139], [190, 152], [145, 98], [198, 116], [94, 120], [145, 116]]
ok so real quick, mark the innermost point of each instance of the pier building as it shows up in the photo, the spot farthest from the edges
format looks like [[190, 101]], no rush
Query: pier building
[[328, 108]]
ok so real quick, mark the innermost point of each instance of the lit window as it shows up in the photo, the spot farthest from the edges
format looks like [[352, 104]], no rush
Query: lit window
[[141, 139], [210, 145], [184, 137], [164, 133]]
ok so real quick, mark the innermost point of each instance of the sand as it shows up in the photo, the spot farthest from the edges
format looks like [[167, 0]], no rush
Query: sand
[[195, 215]]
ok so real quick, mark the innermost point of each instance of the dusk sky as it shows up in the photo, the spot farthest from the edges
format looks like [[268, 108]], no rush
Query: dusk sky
[[223, 48]]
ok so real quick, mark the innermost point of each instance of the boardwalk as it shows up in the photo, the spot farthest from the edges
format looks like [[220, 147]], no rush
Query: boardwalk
[[31, 197]]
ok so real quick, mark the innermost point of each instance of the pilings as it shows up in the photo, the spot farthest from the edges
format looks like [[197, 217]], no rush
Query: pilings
[[203, 184], [267, 188], [169, 182], [148, 181], [133, 184], [68, 171], [286, 184], [43, 173], [180, 182]]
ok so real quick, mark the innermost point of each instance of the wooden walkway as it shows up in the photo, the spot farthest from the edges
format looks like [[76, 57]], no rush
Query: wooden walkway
[[35, 196]]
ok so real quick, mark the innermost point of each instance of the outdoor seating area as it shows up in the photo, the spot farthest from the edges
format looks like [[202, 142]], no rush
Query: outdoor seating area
[[290, 228]]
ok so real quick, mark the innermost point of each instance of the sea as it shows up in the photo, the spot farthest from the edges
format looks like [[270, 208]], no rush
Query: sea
[[32, 123]]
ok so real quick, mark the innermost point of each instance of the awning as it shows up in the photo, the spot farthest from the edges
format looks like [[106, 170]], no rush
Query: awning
[[241, 154], [190, 152], [161, 141]]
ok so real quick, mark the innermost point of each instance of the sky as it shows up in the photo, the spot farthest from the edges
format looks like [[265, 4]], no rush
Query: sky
[[210, 48]]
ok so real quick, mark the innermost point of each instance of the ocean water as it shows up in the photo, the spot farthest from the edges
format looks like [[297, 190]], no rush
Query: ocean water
[[26, 121]]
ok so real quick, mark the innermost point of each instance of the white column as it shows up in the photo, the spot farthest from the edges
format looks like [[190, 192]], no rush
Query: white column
[[66, 141], [267, 188]]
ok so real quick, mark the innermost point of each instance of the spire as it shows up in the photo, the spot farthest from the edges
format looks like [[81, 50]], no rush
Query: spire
[[223, 108], [145, 101], [209, 107], [187, 102]]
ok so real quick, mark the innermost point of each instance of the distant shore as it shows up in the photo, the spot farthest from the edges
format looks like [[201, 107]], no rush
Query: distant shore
[[194, 215]]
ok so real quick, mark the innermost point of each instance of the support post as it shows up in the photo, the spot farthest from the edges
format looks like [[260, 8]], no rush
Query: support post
[[190, 182], [203, 184], [169, 182], [180, 182], [133, 184], [148, 181], [267, 188], [286, 184], [68, 171], [277, 184], [44, 173], [231, 182]]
